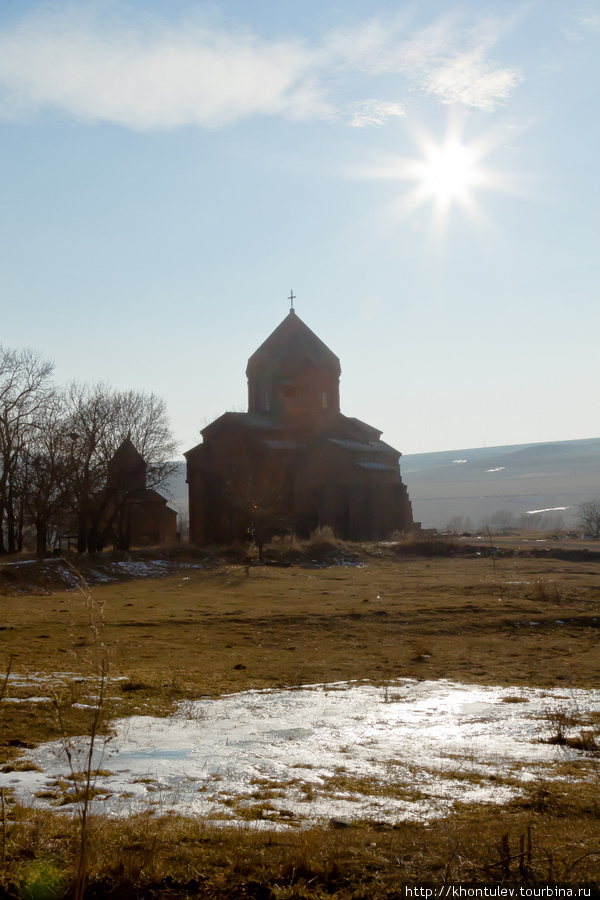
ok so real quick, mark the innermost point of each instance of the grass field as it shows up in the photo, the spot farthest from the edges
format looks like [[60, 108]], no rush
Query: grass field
[[230, 626]]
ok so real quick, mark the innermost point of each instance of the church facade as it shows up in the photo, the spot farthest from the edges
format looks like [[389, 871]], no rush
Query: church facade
[[294, 462]]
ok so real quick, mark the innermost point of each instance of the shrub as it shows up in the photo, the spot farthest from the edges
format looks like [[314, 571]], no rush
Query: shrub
[[285, 545], [426, 547], [323, 539]]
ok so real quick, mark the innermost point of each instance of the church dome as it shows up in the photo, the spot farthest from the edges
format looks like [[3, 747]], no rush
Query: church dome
[[293, 371], [292, 344]]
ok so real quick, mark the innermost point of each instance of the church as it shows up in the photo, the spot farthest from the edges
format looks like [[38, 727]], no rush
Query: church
[[129, 513], [293, 462]]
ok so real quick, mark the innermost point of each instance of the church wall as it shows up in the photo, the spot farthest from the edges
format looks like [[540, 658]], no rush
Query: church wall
[[152, 524], [307, 392], [359, 504], [237, 486], [323, 486], [196, 507]]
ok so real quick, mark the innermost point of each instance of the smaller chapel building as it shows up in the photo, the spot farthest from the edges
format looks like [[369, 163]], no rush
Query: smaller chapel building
[[294, 462], [133, 515]]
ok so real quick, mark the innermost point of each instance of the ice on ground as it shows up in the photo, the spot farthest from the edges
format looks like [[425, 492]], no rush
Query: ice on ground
[[408, 750]]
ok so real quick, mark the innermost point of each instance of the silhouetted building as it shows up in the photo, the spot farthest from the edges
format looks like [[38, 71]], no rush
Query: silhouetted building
[[293, 462], [134, 515]]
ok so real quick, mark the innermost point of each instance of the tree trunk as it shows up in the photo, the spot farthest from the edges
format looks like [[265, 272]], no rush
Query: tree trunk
[[2, 544], [81, 541], [41, 537], [10, 523], [82, 534], [93, 539], [20, 526]]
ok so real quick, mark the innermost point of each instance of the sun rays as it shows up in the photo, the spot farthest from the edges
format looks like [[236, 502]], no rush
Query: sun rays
[[446, 175]]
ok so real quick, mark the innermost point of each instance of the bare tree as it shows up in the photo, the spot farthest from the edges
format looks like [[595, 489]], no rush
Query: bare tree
[[99, 419], [502, 520], [25, 385], [529, 521], [87, 423], [46, 473], [55, 449], [459, 523], [589, 516], [144, 419]]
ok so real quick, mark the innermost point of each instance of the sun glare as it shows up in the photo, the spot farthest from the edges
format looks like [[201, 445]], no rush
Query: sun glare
[[445, 175], [449, 172]]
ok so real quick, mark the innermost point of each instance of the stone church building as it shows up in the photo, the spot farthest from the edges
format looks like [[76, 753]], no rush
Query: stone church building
[[133, 515], [294, 462]]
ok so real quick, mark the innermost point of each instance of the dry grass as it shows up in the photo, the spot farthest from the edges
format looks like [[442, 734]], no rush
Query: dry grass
[[435, 618], [284, 545], [324, 539], [212, 631], [182, 857]]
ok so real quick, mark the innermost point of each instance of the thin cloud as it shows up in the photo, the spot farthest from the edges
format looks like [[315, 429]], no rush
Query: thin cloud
[[585, 23], [157, 78], [149, 75], [442, 59], [469, 80], [376, 112], [379, 46]]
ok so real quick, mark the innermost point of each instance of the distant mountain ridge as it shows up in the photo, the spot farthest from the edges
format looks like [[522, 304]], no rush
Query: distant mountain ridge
[[476, 483], [517, 479]]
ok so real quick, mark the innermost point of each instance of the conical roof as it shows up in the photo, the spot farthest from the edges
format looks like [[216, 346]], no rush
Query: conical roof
[[292, 344], [127, 453], [127, 468]]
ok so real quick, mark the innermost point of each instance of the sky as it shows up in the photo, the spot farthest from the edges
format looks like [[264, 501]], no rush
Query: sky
[[423, 175]]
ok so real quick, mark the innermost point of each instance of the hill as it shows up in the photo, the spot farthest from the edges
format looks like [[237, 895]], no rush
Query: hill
[[468, 487], [505, 483]]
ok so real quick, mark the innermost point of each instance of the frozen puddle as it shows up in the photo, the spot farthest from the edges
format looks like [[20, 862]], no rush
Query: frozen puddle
[[410, 750]]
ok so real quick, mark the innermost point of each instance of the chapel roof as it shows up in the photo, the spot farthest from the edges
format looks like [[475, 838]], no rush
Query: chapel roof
[[293, 344], [233, 420], [127, 451]]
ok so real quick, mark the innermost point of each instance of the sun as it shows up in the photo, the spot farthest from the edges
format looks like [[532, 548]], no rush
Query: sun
[[449, 172], [445, 175]]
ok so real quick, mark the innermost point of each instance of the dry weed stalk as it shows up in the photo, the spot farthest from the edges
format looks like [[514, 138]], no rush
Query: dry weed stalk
[[4, 687], [543, 591], [3, 828], [86, 774], [3, 690]]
